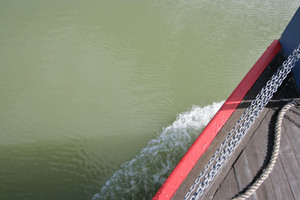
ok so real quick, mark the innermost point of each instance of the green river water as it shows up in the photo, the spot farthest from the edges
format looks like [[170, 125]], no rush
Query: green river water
[[100, 99]]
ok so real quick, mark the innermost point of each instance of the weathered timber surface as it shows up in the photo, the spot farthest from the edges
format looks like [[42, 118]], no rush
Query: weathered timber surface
[[284, 180]]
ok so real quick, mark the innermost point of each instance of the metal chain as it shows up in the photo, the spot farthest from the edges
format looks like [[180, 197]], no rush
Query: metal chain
[[241, 127]]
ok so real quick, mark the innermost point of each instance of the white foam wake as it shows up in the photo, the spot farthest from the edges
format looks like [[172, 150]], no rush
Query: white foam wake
[[141, 177]]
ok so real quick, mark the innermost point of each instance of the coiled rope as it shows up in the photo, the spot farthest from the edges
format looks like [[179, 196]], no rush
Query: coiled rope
[[274, 155]]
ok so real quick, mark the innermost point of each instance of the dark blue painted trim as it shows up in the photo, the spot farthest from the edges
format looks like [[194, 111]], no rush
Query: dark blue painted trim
[[290, 39]]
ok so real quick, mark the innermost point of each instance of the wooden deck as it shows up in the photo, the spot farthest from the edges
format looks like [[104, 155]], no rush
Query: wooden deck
[[284, 180], [253, 153]]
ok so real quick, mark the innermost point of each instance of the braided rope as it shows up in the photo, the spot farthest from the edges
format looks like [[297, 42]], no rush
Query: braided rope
[[274, 155]]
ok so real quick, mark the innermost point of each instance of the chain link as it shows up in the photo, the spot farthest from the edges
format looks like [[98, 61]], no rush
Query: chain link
[[239, 130]]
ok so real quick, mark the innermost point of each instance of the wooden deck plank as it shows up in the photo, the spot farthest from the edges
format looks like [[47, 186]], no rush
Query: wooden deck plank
[[280, 186], [290, 164], [229, 186], [280, 182], [256, 157], [262, 138], [243, 174], [292, 118], [218, 195]]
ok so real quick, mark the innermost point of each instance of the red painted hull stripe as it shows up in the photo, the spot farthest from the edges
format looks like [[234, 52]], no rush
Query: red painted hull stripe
[[201, 144]]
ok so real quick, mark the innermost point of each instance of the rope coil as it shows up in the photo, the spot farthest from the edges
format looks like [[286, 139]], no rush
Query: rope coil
[[274, 155]]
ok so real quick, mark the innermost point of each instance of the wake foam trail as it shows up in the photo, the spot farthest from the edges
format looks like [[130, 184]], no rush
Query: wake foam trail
[[141, 177]]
